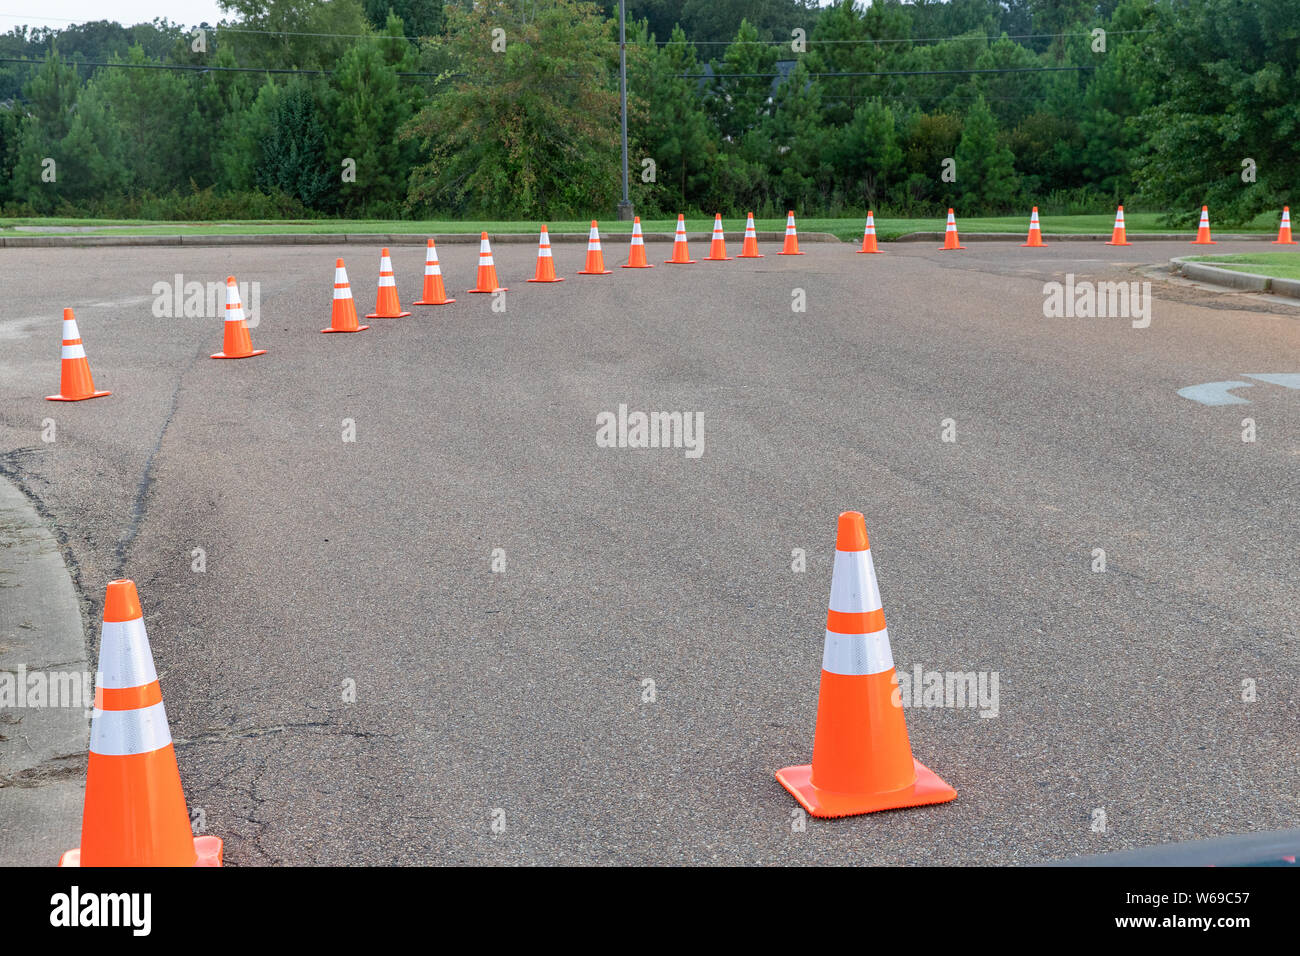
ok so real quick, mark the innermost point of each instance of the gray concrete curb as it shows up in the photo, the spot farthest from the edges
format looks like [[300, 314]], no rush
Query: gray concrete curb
[[369, 239], [42, 748], [1243, 281], [1067, 237]]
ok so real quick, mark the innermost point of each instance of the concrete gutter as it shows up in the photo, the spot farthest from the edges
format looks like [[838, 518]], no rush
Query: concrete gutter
[[369, 239], [42, 748], [1242, 281], [1069, 237]]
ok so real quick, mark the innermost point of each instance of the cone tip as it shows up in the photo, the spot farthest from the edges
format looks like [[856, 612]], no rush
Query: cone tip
[[383, 251], [593, 224], [121, 603], [67, 315], [429, 244], [482, 235], [230, 280], [338, 263], [680, 217], [851, 535]]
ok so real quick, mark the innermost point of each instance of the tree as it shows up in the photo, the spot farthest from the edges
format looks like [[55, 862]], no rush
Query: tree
[[294, 157], [986, 173], [529, 131]]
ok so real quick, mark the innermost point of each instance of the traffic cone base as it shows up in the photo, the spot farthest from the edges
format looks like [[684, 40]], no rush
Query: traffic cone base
[[207, 849], [556, 279], [359, 328], [443, 301], [926, 789], [79, 398], [223, 355]]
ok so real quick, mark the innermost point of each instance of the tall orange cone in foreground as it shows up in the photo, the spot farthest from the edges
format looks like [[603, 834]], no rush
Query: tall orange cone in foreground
[[862, 760], [1035, 234], [1118, 236], [950, 240], [434, 293], [718, 247], [636, 251], [75, 383], [749, 249], [487, 270], [791, 247], [387, 305], [545, 261], [1203, 230], [343, 314], [135, 812], [869, 235], [595, 258], [237, 343], [1284, 230], [681, 255]]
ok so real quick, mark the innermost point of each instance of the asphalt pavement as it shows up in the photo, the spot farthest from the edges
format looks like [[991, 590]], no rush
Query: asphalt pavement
[[349, 680]]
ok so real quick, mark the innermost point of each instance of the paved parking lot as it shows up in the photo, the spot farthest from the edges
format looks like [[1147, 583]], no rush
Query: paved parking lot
[[505, 716]]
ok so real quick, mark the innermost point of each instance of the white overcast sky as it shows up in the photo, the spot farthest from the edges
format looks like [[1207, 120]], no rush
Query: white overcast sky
[[59, 13]]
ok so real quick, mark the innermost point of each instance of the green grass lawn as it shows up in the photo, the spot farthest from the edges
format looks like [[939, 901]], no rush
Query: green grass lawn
[[849, 230], [1279, 265]]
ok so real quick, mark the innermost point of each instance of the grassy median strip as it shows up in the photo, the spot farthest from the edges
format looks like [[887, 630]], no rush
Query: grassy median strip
[[846, 229], [1278, 265]]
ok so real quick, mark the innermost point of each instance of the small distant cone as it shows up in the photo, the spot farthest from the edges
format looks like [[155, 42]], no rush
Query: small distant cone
[[435, 293], [595, 258], [1203, 230], [1035, 235], [386, 304], [869, 235], [749, 249], [343, 315], [134, 812], [1284, 230], [950, 240], [791, 247], [545, 262], [238, 344], [681, 255], [636, 252], [75, 383], [862, 760], [718, 247], [487, 270], [1119, 237]]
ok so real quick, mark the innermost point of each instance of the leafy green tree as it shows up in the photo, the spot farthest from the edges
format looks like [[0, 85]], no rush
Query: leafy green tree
[[294, 155], [303, 34], [532, 130], [422, 18], [986, 173], [867, 155]]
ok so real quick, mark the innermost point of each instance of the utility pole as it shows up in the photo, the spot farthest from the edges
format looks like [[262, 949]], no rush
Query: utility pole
[[625, 207]]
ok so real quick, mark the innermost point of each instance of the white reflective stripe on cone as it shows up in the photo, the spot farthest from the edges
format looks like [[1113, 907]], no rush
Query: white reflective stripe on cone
[[70, 329], [386, 280], [344, 293], [340, 276], [73, 352], [125, 659], [125, 733], [853, 583], [637, 240], [544, 252], [484, 259], [857, 654], [431, 269], [483, 248]]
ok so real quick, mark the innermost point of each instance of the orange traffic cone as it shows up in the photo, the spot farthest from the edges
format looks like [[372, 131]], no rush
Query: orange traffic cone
[[1284, 230], [1203, 230], [1118, 236], [1035, 235], [435, 293], [862, 760], [595, 259], [749, 249], [718, 247], [791, 247], [487, 270], [869, 235], [681, 255], [237, 344], [950, 240], [134, 813], [343, 314], [545, 261], [387, 305], [636, 252], [75, 383]]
